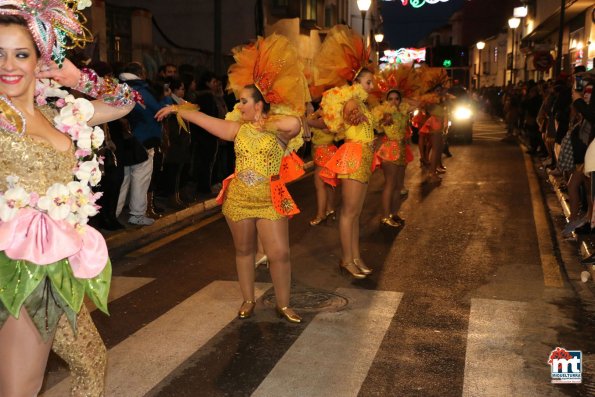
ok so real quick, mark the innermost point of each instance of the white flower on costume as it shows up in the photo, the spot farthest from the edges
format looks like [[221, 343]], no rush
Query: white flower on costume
[[12, 180], [89, 171], [56, 202], [97, 138], [82, 199], [84, 136], [82, 4], [76, 111], [12, 201]]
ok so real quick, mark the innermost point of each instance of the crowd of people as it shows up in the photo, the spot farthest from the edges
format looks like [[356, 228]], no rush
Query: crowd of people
[[555, 120], [151, 164]]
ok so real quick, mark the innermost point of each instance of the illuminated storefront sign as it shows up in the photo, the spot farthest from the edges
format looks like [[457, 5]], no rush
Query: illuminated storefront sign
[[404, 55]]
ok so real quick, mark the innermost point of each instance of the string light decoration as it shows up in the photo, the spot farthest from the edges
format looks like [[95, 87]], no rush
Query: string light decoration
[[419, 3]]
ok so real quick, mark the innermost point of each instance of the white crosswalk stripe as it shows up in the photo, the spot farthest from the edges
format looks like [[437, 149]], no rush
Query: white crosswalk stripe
[[494, 363], [334, 344]]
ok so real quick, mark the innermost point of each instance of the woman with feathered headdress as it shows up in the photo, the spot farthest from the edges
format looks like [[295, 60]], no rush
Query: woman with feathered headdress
[[394, 152], [343, 63], [434, 81], [49, 257], [268, 80], [323, 148]]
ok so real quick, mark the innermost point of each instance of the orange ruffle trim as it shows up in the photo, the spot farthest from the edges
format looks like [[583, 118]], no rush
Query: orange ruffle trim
[[323, 153], [432, 124], [292, 167], [346, 160]]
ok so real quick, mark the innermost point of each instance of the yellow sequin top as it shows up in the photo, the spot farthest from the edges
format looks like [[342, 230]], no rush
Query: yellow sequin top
[[363, 132], [322, 137], [258, 157]]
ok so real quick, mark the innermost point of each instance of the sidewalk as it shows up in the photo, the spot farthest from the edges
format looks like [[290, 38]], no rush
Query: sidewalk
[[123, 241]]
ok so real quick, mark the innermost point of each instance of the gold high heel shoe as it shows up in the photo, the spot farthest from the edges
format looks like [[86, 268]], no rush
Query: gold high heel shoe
[[288, 314], [388, 221], [246, 313], [363, 268], [318, 220], [264, 260], [352, 269], [330, 215]]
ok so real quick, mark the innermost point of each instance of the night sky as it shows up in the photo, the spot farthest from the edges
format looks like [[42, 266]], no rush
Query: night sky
[[404, 26]]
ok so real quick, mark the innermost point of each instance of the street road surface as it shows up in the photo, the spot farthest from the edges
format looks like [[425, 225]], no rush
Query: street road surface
[[466, 300]]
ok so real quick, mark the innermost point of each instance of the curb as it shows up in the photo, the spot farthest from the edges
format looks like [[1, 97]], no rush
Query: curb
[[585, 250], [124, 241]]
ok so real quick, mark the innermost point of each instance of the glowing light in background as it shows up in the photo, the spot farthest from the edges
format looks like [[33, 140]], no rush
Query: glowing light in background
[[404, 55]]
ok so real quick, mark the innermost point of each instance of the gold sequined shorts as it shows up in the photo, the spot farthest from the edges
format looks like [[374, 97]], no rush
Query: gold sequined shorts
[[243, 201], [363, 173]]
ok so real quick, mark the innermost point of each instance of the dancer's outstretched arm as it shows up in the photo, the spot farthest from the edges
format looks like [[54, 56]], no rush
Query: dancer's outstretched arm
[[224, 129]]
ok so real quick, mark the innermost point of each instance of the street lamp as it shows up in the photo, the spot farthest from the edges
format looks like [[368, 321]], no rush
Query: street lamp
[[364, 6], [379, 37], [480, 46], [513, 23]]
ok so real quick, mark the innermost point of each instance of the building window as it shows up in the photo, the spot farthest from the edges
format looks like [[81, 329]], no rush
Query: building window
[[330, 16], [309, 9], [119, 34]]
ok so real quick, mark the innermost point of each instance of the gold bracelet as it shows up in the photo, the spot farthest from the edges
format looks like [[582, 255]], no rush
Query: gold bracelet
[[174, 109]]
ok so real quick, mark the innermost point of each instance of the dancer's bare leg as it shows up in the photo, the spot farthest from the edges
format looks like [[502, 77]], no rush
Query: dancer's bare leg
[[354, 194], [244, 240], [275, 239], [400, 185], [24, 357], [390, 184], [321, 195], [436, 154], [84, 353], [330, 198]]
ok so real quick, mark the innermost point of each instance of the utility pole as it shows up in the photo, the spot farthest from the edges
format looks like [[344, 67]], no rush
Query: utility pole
[[560, 38]]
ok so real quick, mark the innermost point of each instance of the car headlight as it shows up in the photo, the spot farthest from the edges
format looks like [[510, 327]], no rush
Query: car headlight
[[415, 112], [462, 113]]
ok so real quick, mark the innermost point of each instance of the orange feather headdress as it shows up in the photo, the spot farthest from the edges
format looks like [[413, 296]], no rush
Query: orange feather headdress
[[401, 78], [342, 56], [273, 66], [432, 78]]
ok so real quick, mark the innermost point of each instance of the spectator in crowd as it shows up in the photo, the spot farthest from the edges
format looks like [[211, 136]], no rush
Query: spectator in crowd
[[512, 110], [138, 178], [177, 149], [210, 101], [582, 135], [530, 106], [167, 71]]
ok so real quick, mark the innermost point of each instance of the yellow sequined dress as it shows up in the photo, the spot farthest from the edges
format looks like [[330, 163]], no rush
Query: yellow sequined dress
[[362, 134], [258, 157]]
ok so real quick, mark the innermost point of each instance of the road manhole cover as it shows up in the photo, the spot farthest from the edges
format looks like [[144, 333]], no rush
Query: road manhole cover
[[311, 300]]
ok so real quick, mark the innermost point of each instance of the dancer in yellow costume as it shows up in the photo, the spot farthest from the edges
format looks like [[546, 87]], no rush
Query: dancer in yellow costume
[[268, 80], [394, 152], [49, 258], [343, 63]]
